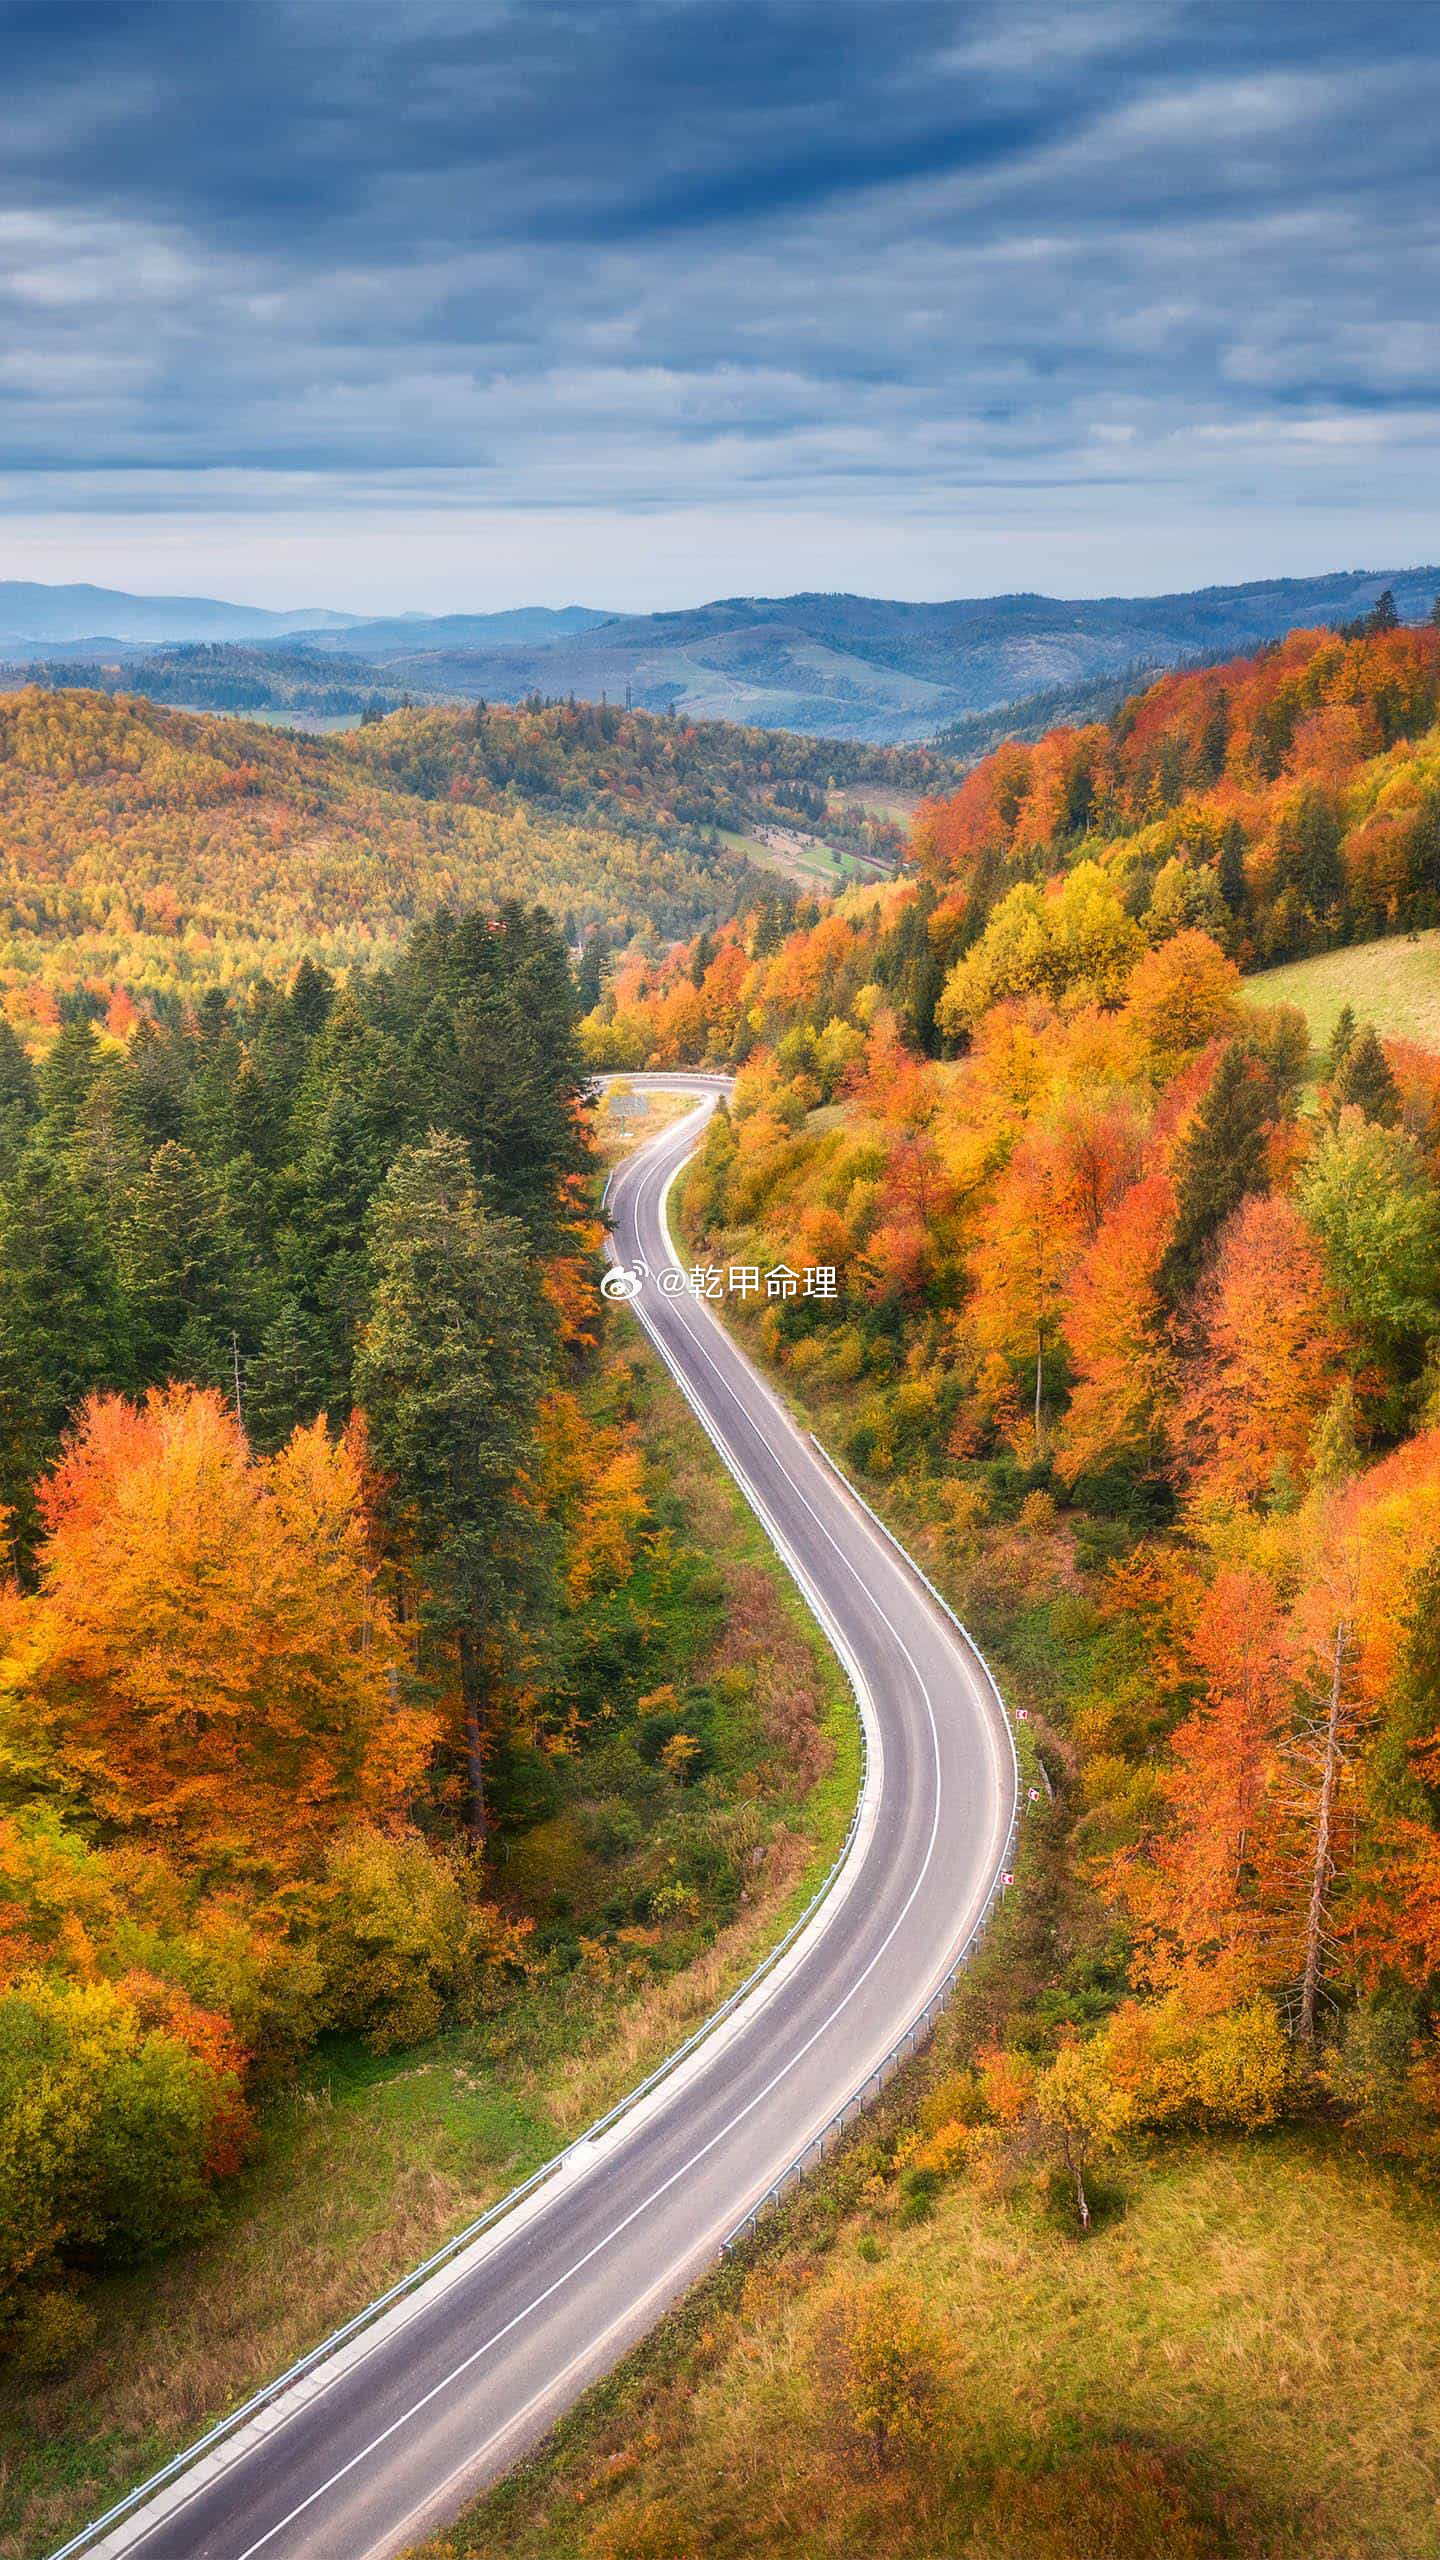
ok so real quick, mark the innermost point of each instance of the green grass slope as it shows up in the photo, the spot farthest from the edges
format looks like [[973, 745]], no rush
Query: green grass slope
[[1394, 984]]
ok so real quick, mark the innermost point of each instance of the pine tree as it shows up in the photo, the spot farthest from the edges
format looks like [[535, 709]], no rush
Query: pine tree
[[66, 1075], [1308, 847], [1233, 886], [212, 1122], [589, 977], [19, 1101], [1213, 742], [1342, 1040], [448, 1370], [290, 1380], [184, 1304], [159, 1064], [1221, 1160], [496, 1056], [61, 1325], [360, 1101], [110, 1148], [1365, 1082], [311, 996]]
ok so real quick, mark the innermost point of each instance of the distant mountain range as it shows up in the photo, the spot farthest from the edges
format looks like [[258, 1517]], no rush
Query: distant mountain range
[[827, 665], [62, 615], [68, 619]]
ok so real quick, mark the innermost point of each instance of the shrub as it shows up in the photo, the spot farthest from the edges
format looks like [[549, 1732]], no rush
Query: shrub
[[1231, 2069], [891, 2360], [109, 2129], [402, 1939], [55, 2328]]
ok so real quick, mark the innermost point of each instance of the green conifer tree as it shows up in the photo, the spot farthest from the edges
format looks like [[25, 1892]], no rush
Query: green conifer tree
[[19, 1100], [1365, 1082], [1222, 1158], [449, 1368], [290, 1379], [61, 1325], [1342, 1040], [67, 1072], [186, 1308]]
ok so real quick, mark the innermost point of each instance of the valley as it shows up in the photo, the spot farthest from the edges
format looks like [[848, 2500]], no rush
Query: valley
[[1066, 1103]]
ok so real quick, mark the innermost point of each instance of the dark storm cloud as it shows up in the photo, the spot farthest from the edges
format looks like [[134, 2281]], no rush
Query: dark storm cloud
[[655, 253]]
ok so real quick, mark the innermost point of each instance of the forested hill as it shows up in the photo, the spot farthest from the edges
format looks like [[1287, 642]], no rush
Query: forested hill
[[1135, 1328], [145, 853], [1281, 804], [638, 770], [1291, 799]]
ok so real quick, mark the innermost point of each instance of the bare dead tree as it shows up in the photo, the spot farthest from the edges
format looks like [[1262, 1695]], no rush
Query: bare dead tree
[[1322, 1871]]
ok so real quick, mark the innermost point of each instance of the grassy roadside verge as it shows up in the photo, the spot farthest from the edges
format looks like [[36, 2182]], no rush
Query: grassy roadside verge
[[1237, 2369], [370, 2161]]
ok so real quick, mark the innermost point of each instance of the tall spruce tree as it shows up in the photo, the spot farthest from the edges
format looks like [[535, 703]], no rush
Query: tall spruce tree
[[1365, 1082], [495, 1051], [291, 1377], [449, 1370], [67, 1072], [1222, 1158], [19, 1101], [61, 1325], [1342, 1040], [1230, 870], [187, 1305]]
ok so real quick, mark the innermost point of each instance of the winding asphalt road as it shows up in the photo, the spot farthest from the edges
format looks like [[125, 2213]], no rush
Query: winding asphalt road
[[389, 2439]]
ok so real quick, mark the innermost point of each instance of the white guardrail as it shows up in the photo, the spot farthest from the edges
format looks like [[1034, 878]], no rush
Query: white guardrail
[[905, 2045]]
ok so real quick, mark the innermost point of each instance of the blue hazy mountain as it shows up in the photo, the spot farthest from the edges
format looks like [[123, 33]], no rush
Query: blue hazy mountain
[[831, 665], [866, 666]]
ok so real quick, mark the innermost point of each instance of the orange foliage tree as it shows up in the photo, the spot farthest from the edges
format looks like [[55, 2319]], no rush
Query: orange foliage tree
[[1195, 1894], [1272, 1356], [1115, 1330], [208, 1661]]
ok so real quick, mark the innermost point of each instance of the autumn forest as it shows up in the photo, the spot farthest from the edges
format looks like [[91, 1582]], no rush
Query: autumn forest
[[1140, 1316], [359, 1676]]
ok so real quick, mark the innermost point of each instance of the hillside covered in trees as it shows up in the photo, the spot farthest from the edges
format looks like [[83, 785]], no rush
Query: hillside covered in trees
[[271, 1593], [638, 771], [147, 855], [1281, 804], [228, 675], [1137, 1327]]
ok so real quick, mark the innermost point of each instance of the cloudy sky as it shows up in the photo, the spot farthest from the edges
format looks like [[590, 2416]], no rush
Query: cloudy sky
[[463, 303]]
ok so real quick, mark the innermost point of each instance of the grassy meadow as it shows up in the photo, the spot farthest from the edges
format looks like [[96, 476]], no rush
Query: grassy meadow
[[1239, 2364], [1394, 984]]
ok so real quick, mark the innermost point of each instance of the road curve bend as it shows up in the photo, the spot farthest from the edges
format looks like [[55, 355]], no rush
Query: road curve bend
[[391, 2436]]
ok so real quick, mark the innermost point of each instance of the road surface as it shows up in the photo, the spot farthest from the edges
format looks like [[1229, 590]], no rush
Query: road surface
[[385, 2443]]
